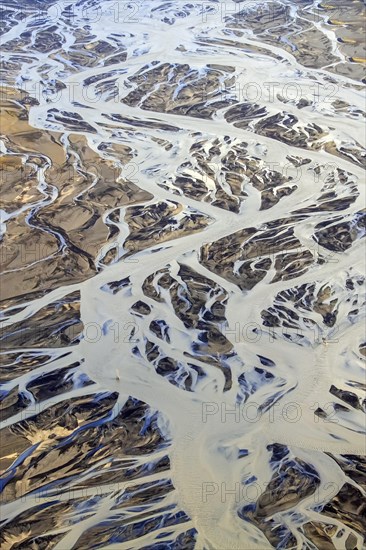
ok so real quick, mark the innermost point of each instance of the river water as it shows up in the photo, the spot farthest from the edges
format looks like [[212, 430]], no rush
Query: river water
[[183, 347]]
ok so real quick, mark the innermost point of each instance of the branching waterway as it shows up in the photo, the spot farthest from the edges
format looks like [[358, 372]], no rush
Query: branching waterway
[[183, 346]]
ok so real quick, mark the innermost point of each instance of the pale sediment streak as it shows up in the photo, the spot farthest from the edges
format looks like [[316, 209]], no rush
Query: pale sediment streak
[[215, 448]]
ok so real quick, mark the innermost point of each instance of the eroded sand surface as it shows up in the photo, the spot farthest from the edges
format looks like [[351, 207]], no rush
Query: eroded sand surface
[[183, 207]]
